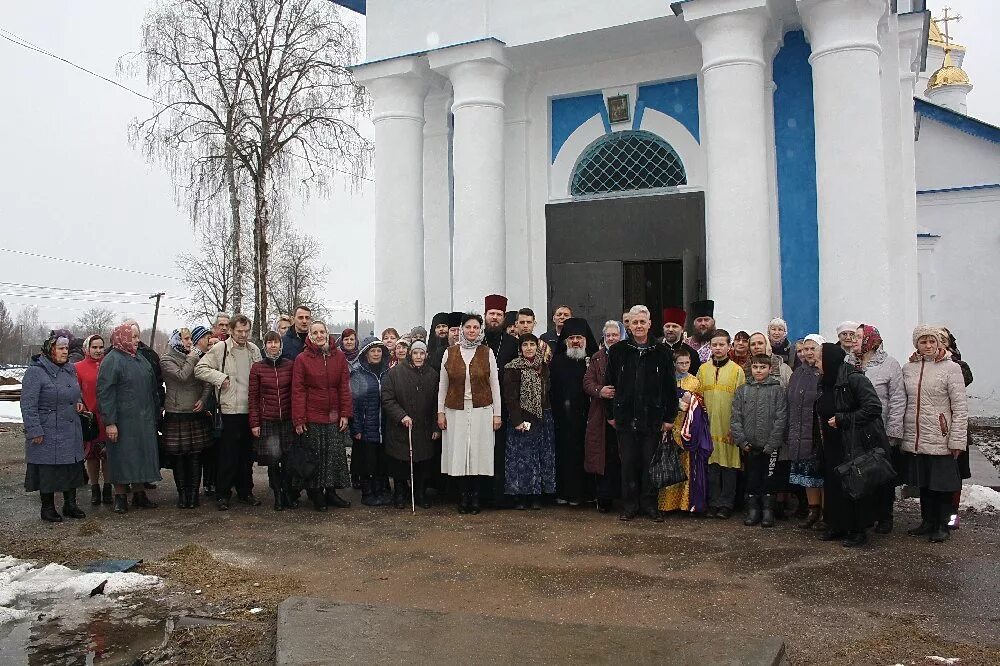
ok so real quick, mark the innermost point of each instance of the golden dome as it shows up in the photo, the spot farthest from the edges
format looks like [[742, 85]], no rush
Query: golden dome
[[948, 75]]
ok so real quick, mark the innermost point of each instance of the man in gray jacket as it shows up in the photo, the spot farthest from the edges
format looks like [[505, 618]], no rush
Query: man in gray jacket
[[226, 366], [760, 414]]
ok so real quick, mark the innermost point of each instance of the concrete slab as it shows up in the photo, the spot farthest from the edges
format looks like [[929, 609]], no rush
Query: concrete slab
[[315, 631]]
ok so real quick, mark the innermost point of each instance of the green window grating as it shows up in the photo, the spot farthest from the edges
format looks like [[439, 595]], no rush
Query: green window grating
[[625, 161]]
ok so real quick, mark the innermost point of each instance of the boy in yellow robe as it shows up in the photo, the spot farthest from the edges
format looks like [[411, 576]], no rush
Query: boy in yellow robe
[[719, 379]]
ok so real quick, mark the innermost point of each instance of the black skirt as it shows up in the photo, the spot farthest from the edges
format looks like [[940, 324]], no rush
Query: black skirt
[[938, 473], [185, 433], [54, 478]]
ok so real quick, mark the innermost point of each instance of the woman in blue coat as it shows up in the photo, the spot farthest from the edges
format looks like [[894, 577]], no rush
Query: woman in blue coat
[[368, 423], [53, 437]]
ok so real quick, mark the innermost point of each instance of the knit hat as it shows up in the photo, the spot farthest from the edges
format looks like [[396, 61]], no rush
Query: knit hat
[[198, 332], [847, 326], [495, 302], [674, 316], [418, 345], [418, 333], [925, 329]]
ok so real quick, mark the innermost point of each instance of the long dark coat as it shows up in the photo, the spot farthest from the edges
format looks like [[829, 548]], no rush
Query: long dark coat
[[49, 394], [569, 411], [129, 398], [413, 392], [597, 416]]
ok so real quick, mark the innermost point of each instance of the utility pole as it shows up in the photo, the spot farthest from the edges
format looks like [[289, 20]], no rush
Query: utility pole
[[356, 322], [156, 315]]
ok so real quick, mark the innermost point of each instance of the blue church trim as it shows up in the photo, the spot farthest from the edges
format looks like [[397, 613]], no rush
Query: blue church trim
[[960, 121], [795, 149], [568, 113], [359, 6], [963, 188], [677, 99]]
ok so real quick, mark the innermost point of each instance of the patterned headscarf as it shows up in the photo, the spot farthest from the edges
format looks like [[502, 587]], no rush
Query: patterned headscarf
[[121, 339], [175, 341], [60, 337], [531, 378], [871, 340]]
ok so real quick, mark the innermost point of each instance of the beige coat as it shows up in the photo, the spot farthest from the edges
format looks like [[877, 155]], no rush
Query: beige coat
[[235, 399], [183, 388], [936, 419]]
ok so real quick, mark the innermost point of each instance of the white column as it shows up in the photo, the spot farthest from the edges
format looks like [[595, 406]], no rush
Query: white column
[[477, 73], [850, 170], [738, 225], [437, 204], [517, 191], [398, 88]]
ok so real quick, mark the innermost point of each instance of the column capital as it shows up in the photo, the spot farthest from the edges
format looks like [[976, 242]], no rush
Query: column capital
[[734, 38], [398, 87], [477, 72], [832, 26]]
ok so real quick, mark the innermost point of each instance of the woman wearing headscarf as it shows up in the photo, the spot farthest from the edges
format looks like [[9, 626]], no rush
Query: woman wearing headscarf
[[368, 423], [53, 438], [600, 455], [187, 429], [886, 376], [399, 352], [760, 344], [802, 449], [348, 345], [129, 400], [409, 399], [321, 412], [935, 430], [530, 463], [270, 404], [468, 411], [93, 450], [848, 413]]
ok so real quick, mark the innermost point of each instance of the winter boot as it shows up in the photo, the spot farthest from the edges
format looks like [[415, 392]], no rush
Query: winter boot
[[474, 498], [399, 494], [140, 500], [802, 507], [884, 526], [780, 510], [194, 482], [753, 511], [107, 494], [274, 480], [179, 479], [420, 494], [335, 500], [521, 502], [811, 518], [767, 515], [95, 494], [368, 497], [70, 509], [121, 503], [384, 496], [49, 513], [855, 539], [928, 507], [318, 498], [941, 532]]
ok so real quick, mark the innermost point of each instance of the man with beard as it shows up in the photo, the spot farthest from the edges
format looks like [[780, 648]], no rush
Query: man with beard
[[505, 348], [510, 323], [438, 340], [703, 313], [673, 335], [570, 405]]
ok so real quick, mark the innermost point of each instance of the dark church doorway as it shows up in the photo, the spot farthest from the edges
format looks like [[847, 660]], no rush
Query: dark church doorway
[[604, 256]]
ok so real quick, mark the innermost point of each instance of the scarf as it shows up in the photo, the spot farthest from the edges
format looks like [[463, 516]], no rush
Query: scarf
[[531, 383], [871, 340], [467, 344], [121, 339], [175, 342], [273, 360], [353, 354]]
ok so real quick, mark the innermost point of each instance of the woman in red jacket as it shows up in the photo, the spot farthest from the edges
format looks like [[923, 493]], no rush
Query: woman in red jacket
[[270, 403], [93, 451], [321, 410]]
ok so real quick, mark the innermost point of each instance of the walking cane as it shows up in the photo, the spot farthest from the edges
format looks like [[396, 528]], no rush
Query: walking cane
[[413, 496]]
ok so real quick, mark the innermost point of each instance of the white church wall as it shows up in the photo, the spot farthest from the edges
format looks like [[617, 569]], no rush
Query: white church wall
[[958, 277], [397, 27], [947, 157]]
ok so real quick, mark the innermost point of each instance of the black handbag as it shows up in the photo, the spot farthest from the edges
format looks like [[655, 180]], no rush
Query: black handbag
[[217, 417], [88, 423], [300, 460], [866, 473], [665, 468]]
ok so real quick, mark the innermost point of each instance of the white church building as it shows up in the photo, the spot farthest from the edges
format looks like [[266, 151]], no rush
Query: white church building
[[767, 154]]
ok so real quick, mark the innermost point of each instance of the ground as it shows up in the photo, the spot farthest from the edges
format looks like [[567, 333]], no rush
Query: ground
[[896, 602]]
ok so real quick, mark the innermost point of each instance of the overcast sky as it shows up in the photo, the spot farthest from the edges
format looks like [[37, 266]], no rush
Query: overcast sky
[[71, 185]]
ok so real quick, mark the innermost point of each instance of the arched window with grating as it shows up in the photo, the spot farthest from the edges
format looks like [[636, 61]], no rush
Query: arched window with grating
[[627, 161]]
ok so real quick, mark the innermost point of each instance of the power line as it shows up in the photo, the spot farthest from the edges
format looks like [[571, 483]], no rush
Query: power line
[[90, 291], [22, 42], [70, 298], [86, 263]]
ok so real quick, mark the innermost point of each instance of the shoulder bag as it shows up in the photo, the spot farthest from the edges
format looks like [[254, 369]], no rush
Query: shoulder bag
[[217, 419]]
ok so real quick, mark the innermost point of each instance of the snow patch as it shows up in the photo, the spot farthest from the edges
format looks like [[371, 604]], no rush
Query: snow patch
[[10, 412], [980, 499]]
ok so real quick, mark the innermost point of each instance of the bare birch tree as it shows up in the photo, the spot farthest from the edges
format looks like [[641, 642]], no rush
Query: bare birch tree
[[259, 102], [297, 276]]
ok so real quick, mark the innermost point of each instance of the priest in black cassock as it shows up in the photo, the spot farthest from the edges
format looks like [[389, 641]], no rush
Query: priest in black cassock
[[569, 410], [437, 340], [505, 348]]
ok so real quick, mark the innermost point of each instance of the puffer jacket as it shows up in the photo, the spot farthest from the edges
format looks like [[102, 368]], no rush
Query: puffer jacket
[[183, 388], [321, 386], [366, 393], [937, 415], [887, 377], [803, 389], [270, 391], [49, 395], [760, 413]]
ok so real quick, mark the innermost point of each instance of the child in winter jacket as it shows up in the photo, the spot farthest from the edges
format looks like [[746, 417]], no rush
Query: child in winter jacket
[[758, 423]]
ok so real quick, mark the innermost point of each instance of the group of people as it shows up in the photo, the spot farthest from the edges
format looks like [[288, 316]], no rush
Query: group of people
[[482, 410]]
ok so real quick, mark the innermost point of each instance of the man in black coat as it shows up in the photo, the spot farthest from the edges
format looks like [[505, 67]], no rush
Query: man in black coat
[[294, 340], [505, 348], [644, 408], [570, 405]]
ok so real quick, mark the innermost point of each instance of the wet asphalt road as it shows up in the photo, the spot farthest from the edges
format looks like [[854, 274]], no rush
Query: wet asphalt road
[[895, 601]]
